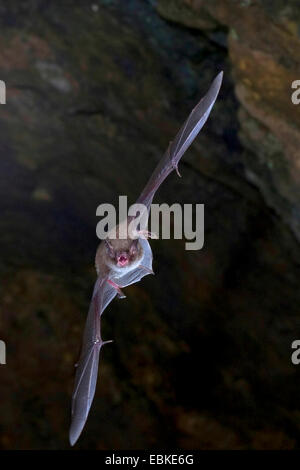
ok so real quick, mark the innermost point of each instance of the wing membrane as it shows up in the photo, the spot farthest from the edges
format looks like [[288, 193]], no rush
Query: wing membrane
[[182, 141], [87, 368]]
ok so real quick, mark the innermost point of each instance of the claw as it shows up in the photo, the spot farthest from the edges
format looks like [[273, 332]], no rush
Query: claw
[[176, 168], [174, 165]]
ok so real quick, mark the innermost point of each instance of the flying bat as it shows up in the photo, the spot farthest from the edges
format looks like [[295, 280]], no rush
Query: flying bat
[[121, 262]]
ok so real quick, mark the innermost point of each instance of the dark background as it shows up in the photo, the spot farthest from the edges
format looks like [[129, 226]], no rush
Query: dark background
[[202, 351]]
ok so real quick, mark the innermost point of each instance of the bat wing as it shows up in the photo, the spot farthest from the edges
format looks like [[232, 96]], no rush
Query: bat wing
[[182, 141], [87, 368]]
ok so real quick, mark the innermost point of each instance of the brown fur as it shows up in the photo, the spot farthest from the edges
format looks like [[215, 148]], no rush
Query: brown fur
[[105, 260]]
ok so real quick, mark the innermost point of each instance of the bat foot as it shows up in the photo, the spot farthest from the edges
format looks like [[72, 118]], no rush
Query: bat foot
[[149, 271], [121, 294], [145, 234]]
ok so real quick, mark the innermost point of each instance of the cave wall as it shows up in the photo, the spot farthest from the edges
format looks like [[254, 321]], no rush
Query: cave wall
[[201, 352], [263, 47]]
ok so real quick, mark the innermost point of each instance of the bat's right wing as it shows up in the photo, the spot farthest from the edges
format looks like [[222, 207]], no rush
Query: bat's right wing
[[182, 141]]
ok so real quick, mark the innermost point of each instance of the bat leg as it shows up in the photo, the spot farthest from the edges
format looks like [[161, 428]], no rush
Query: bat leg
[[174, 165], [121, 294], [146, 234], [146, 269]]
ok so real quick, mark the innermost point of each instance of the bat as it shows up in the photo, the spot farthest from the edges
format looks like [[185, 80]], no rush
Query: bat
[[120, 262]]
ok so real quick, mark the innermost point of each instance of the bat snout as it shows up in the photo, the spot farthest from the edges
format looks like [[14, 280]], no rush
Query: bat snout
[[122, 259]]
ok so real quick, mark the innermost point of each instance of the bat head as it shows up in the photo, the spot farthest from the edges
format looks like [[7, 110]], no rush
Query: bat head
[[123, 252]]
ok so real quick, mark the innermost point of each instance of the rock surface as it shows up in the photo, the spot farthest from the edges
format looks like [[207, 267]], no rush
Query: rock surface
[[201, 352], [263, 47]]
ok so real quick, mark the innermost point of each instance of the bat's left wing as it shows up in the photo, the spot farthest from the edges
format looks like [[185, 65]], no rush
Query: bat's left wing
[[182, 141]]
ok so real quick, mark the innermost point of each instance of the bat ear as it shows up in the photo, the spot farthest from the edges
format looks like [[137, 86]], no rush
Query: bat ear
[[109, 247], [133, 246]]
